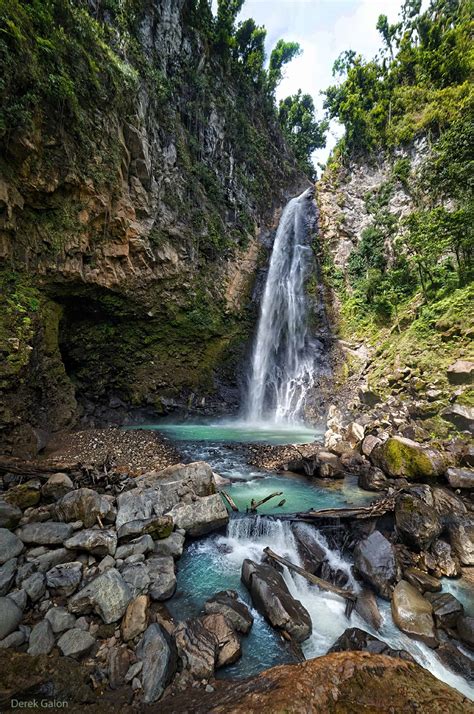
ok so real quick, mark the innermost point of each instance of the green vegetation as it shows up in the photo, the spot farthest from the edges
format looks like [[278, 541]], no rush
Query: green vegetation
[[303, 133]]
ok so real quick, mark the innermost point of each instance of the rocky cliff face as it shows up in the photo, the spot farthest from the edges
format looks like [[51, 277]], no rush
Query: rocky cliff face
[[129, 243]]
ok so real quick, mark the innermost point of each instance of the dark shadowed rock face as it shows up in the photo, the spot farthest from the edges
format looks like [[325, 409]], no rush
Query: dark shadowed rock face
[[355, 639], [417, 522], [339, 683], [272, 598], [375, 562]]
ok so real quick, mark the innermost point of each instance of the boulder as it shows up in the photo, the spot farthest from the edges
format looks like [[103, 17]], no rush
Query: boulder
[[118, 666], [236, 613], [10, 515], [465, 628], [446, 504], [421, 580], [97, 542], [84, 505], [272, 598], [172, 545], [375, 561], [64, 579], [355, 433], [76, 643], [412, 614], [460, 478], [13, 640], [10, 616], [229, 649], [369, 398], [446, 609], [7, 575], [461, 416], [51, 558], [403, 457], [202, 516], [57, 486], [49, 533], [366, 606], [198, 649], [373, 479], [356, 640], [136, 617], [461, 372], [196, 477], [369, 444], [60, 619], [138, 546], [41, 639], [10, 545], [158, 654], [157, 527], [137, 577], [442, 561], [461, 536], [162, 577], [454, 659], [310, 550], [24, 495], [107, 595], [34, 586], [417, 523]]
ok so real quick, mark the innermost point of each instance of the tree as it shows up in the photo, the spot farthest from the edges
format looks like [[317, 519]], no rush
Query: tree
[[283, 53], [227, 11], [250, 48], [303, 132], [388, 32]]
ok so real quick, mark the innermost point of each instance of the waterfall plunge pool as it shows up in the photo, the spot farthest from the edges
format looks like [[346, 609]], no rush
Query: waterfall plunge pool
[[214, 562]]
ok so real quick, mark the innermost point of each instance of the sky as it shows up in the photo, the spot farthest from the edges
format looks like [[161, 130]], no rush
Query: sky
[[324, 29]]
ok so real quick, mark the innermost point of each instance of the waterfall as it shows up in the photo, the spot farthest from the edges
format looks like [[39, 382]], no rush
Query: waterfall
[[282, 363]]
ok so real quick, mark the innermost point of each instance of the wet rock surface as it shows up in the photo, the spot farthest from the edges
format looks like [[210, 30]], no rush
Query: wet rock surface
[[413, 614], [375, 562]]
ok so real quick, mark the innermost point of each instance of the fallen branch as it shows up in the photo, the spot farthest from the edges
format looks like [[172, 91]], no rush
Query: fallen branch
[[256, 504], [378, 508], [230, 501], [313, 579], [282, 503]]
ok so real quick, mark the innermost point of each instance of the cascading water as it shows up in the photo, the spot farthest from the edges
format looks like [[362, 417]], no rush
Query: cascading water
[[282, 363]]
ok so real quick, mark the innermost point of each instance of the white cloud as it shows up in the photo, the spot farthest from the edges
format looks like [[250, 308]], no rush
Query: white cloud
[[324, 29]]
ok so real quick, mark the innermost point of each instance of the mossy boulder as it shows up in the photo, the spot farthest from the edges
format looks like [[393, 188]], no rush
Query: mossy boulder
[[403, 457], [25, 495]]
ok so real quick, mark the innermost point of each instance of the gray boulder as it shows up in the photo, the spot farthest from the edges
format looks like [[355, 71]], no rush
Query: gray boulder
[[461, 416], [7, 575], [139, 546], [272, 598], [461, 372], [97, 542], [229, 649], [51, 558], [465, 627], [162, 577], [137, 577], [417, 523], [57, 486], [34, 586], [158, 655], [375, 561], [460, 478], [172, 545], [49, 533], [41, 639], [107, 595], [84, 505], [10, 515], [202, 516], [198, 649], [10, 545], [412, 613], [76, 643], [10, 616], [356, 640], [156, 526], [64, 579], [15, 639], [446, 609], [227, 603], [60, 619], [461, 536]]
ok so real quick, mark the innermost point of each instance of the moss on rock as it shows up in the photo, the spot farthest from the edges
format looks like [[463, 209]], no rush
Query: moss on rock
[[402, 457]]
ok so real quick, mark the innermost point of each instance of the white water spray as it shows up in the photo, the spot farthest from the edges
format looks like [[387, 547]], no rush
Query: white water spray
[[282, 364]]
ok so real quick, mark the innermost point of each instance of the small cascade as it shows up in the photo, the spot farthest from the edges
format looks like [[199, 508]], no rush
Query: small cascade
[[282, 362]]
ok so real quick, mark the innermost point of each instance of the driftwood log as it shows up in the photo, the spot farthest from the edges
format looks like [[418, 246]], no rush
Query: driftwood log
[[230, 501], [313, 579], [256, 504]]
